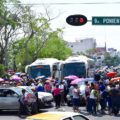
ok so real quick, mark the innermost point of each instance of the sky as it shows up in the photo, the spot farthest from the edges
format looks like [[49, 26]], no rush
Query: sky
[[102, 34]]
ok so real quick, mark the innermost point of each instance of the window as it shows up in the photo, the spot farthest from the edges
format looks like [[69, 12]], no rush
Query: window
[[7, 93], [68, 118], [1, 93], [80, 117]]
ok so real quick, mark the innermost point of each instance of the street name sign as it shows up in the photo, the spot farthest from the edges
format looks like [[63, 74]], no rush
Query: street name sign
[[105, 20]]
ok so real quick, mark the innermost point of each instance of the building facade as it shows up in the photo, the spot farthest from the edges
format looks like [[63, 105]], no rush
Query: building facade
[[81, 46]]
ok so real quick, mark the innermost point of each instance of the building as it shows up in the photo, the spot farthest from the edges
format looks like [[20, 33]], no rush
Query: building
[[113, 52], [81, 46]]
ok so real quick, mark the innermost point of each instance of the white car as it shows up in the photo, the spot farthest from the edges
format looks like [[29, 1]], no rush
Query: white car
[[44, 97], [58, 116]]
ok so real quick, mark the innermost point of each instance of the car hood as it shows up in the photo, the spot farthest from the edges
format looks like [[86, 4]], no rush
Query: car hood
[[44, 94]]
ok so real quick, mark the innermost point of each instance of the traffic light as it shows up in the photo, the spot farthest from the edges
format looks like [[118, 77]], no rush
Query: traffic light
[[76, 20]]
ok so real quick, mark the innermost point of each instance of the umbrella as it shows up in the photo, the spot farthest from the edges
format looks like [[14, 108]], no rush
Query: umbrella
[[116, 79], [1, 79], [40, 77], [23, 74], [71, 77], [76, 81], [111, 74], [15, 78]]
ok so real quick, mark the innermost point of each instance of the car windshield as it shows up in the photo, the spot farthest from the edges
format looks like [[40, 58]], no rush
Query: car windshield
[[18, 90]]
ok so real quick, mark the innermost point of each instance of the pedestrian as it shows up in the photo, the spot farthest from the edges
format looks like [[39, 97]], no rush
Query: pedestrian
[[62, 86], [47, 87], [92, 100], [57, 96], [34, 102], [115, 97], [87, 94], [76, 98], [23, 110]]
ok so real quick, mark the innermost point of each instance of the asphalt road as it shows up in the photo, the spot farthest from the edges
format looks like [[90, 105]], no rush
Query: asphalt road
[[12, 115]]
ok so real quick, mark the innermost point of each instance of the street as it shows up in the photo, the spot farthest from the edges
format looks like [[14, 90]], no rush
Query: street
[[12, 115]]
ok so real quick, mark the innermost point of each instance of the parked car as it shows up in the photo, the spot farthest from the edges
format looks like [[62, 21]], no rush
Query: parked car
[[45, 99], [58, 116], [9, 98]]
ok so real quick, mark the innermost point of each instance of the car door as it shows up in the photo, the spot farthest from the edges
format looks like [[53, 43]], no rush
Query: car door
[[2, 99], [13, 98], [9, 100]]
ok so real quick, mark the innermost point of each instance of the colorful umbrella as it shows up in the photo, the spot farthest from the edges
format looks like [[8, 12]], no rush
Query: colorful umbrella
[[76, 81], [71, 77], [111, 74], [116, 79], [1, 79], [15, 78]]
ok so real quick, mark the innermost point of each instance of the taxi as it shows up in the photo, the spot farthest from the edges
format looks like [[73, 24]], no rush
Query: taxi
[[58, 116]]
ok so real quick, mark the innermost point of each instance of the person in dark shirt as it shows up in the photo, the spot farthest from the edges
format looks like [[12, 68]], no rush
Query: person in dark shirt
[[115, 97]]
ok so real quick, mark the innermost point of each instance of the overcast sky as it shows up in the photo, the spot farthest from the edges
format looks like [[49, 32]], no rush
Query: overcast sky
[[110, 34]]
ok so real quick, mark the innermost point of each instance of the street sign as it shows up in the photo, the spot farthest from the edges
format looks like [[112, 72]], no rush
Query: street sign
[[76, 20], [105, 20]]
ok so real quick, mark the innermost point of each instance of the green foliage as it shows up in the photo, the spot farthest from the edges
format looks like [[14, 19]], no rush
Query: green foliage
[[56, 47], [111, 61], [37, 39], [2, 70], [91, 51]]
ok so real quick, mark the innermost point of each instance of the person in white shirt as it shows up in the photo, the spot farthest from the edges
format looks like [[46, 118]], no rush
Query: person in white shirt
[[92, 100], [76, 98]]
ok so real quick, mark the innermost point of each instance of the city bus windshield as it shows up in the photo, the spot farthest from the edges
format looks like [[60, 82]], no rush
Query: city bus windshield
[[40, 70], [77, 69]]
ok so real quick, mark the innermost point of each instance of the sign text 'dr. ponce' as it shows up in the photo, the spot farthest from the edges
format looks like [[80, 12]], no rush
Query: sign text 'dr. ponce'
[[105, 20]]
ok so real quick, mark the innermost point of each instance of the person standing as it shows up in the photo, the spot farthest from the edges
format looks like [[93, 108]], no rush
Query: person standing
[[76, 98], [47, 87], [87, 94], [92, 100], [23, 110], [62, 86], [57, 96]]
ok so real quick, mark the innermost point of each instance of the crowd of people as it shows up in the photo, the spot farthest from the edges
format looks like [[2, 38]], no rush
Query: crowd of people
[[100, 95]]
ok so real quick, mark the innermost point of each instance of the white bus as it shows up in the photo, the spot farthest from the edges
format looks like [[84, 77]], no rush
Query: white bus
[[76, 65], [47, 67]]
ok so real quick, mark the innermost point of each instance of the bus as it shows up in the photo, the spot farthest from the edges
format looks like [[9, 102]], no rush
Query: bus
[[47, 67], [76, 65]]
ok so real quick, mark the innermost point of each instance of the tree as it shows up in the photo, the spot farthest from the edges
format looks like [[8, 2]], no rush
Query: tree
[[91, 51], [56, 47], [9, 26], [111, 61], [2, 68]]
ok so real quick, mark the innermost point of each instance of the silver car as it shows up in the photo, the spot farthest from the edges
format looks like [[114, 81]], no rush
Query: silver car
[[9, 98]]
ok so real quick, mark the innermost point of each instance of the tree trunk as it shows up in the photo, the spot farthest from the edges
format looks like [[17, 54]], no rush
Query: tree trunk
[[2, 55]]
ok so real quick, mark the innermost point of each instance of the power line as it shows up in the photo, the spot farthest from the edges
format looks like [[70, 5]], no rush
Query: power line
[[88, 3]]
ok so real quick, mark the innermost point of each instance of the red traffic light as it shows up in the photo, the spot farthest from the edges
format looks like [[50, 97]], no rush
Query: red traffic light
[[76, 20]]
